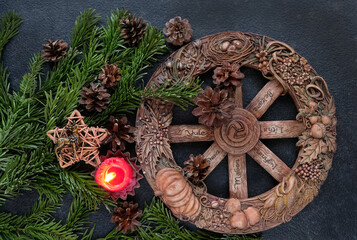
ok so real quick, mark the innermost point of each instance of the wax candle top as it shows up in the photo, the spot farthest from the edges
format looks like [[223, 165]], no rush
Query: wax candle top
[[114, 174]]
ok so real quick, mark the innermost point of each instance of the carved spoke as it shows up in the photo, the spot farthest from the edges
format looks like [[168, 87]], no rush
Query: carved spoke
[[269, 161], [238, 187], [281, 129], [214, 154], [190, 133], [265, 98], [238, 97]]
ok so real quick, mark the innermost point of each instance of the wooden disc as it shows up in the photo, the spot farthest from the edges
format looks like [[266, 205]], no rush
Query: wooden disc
[[240, 135]]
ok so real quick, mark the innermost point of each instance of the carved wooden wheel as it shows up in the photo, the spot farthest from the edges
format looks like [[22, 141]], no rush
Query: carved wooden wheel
[[315, 126]]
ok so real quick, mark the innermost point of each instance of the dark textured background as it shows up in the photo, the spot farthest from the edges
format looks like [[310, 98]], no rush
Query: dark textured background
[[324, 32]]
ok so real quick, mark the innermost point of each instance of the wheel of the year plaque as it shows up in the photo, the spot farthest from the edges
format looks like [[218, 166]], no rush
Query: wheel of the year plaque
[[315, 128]]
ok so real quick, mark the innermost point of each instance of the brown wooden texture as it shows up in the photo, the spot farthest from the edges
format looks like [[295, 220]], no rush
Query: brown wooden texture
[[238, 187], [190, 133], [269, 161], [214, 154], [265, 98], [315, 127], [281, 129]]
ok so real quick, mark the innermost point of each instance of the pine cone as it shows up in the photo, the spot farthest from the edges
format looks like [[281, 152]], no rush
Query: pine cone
[[197, 168], [119, 133], [125, 215], [178, 31], [110, 75], [214, 108], [95, 97], [53, 51], [132, 29], [228, 75]]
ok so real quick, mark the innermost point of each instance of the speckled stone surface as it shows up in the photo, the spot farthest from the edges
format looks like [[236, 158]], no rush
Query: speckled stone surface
[[324, 32]]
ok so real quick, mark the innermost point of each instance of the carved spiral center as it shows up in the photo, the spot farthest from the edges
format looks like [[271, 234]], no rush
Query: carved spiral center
[[240, 135]]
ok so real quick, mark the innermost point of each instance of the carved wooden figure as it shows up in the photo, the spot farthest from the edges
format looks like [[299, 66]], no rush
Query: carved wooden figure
[[315, 128]]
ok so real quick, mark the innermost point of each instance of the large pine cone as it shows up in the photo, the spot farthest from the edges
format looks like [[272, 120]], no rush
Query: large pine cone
[[214, 108], [132, 29], [110, 75], [119, 133], [95, 97], [178, 31], [197, 168], [228, 75], [53, 51], [125, 215]]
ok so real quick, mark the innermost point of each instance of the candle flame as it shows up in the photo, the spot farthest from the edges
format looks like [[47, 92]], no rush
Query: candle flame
[[110, 176]]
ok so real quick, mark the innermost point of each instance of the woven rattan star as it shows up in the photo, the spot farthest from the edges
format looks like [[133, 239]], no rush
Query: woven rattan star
[[76, 141]]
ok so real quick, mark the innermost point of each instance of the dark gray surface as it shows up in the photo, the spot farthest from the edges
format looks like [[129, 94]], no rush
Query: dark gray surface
[[324, 32]]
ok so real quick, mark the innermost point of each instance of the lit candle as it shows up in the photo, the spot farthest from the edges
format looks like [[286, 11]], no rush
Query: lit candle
[[114, 174]]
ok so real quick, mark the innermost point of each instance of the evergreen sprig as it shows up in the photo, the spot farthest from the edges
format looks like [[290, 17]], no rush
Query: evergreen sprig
[[180, 92], [10, 24]]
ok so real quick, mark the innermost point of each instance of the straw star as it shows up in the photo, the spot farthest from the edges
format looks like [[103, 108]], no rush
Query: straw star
[[77, 142]]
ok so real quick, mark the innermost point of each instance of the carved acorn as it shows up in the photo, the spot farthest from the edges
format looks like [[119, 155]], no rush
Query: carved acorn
[[177, 193], [326, 120], [318, 130]]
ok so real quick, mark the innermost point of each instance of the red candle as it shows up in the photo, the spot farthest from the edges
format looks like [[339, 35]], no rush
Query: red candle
[[114, 174]]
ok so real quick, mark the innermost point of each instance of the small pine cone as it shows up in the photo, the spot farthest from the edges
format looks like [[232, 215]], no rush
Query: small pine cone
[[214, 108], [95, 97], [119, 133], [125, 215], [110, 75], [197, 168], [228, 75], [178, 31], [53, 51], [132, 29]]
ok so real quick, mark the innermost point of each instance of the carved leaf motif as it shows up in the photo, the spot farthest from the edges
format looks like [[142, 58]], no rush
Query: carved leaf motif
[[304, 139], [310, 153], [302, 94], [331, 142]]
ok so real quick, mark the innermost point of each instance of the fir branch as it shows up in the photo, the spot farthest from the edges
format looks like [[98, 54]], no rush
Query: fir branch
[[112, 41], [4, 88], [125, 98], [10, 25], [181, 92], [82, 185], [29, 81], [83, 28]]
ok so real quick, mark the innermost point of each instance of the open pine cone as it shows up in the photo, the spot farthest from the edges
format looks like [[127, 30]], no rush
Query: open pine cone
[[228, 75], [214, 108], [132, 29], [95, 97], [197, 168], [110, 75], [125, 215], [53, 51], [119, 133], [178, 31]]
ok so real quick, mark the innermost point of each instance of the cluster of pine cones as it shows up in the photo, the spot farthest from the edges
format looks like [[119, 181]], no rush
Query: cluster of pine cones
[[96, 96]]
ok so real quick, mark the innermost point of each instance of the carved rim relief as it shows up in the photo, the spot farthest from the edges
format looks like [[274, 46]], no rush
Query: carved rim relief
[[315, 128]]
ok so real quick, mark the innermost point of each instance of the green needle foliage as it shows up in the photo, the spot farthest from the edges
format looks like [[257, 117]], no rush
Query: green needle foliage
[[10, 25], [44, 101]]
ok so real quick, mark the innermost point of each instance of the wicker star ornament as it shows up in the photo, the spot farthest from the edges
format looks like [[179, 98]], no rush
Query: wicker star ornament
[[76, 141]]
